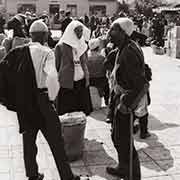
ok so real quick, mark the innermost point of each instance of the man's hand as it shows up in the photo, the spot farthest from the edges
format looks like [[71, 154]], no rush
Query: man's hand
[[123, 108]]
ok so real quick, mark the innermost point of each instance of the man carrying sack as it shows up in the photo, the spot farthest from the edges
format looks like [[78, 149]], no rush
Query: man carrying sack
[[129, 86]]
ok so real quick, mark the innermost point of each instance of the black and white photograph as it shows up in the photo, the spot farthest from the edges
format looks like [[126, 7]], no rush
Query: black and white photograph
[[89, 89]]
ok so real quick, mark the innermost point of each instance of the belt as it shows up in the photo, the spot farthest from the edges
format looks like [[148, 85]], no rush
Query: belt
[[42, 90]]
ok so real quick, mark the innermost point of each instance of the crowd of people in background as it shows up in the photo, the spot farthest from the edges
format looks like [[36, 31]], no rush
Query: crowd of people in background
[[152, 29]]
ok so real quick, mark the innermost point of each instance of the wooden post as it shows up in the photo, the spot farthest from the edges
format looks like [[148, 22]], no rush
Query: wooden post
[[131, 147]]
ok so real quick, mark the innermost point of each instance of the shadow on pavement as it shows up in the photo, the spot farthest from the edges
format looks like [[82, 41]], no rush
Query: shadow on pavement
[[156, 124], [156, 152], [96, 158], [99, 114], [150, 154]]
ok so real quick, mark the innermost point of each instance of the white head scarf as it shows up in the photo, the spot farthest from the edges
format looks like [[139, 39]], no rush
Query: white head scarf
[[126, 24], [69, 37], [38, 26], [94, 43]]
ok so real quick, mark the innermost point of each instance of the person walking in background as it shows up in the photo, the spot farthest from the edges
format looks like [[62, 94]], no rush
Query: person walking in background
[[92, 24], [28, 22], [97, 32], [129, 86], [71, 58], [19, 37], [61, 16], [109, 66], [86, 20], [51, 42], [141, 112], [17, 23], [96, 69], [2, 23], [67, 19]]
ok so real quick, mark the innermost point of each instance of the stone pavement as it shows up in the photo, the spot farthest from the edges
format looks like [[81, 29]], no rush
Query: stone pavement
[[159, 154]]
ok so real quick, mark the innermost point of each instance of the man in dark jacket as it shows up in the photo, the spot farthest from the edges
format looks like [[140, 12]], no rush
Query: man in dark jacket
[[34, 79], [66, 21], [93, 23], [128, 82], [2, 23], [86, 20], [17, 24]]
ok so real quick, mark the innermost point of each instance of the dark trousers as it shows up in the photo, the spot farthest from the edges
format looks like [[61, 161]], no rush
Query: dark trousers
[[76, 99], [121, 140], [143, 122], [51, 129], [101, 83]]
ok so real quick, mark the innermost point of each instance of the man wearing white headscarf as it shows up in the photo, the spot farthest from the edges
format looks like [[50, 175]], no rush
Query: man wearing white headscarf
[[71, 57], [129, 85]]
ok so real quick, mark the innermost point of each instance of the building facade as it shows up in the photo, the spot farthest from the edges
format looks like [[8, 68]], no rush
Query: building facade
[[2, 6], [77, 7]]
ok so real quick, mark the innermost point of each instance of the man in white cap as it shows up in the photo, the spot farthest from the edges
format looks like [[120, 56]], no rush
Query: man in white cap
[[47, 81], [37, 87], [128, 80]]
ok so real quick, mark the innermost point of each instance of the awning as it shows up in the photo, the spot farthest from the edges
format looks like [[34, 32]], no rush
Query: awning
[[166, 9]]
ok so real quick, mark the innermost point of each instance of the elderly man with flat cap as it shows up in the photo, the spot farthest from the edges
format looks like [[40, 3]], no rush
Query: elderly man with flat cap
[[37, 86], [129, 86]]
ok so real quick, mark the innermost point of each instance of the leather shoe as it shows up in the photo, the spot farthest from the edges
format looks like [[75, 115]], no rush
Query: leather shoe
[[145, 135], [76, 177], [38, 177], [122, 173], [116, 171]]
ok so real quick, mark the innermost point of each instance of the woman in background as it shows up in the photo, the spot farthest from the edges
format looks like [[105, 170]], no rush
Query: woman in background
[[71, 58]]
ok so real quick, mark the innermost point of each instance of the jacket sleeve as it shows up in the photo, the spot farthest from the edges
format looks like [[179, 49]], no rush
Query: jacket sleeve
[[58, 56], [3, 87], [84, 59], [134, 67]]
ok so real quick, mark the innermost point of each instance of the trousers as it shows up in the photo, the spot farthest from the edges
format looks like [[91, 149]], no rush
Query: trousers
[[51, 130], [121, 140]]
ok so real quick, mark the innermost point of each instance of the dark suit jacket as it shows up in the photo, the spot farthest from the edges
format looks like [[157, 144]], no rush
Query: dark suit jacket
[[18, 90], [65, 65], [130, 72]]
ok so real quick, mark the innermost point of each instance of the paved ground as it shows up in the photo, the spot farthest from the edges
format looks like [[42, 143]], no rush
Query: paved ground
[[159, 155]]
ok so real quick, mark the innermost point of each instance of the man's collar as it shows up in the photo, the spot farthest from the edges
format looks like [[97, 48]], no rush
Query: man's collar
[[37, 43]]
